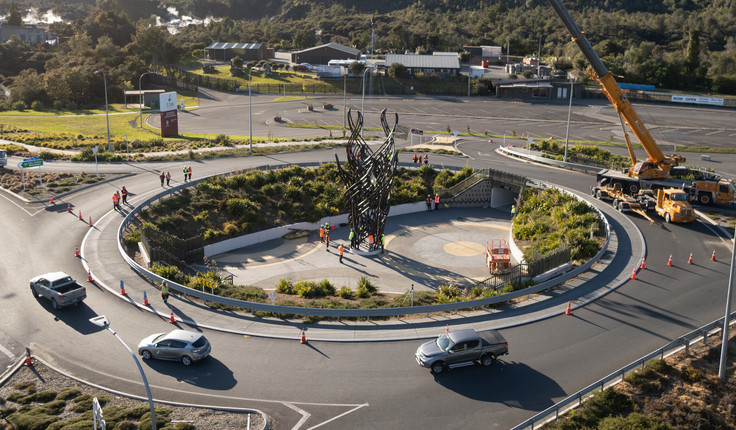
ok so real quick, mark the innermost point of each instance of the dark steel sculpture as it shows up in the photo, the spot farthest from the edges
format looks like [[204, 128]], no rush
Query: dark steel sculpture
[[368, 176]]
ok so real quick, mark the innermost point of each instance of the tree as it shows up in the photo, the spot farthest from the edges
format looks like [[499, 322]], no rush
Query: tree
[[693, 52], [397, 70], [237, 62], [28, 87], [14, 17], [356, 68]]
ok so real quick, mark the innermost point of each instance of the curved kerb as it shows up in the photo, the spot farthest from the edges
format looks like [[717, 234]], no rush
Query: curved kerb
[[365, 313]]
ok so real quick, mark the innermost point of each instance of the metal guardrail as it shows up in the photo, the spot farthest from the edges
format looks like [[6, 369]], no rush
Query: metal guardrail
[[525, 154], [356, 313], [576, 399]]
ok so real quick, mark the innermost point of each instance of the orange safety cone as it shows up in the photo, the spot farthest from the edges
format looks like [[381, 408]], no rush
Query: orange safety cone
[[69, 208], [669, 262], [304, 337], [491, 141], [76, 251], [447, 328], [52, 200], [713, 257], [643, 262], [89, 276], [28, 361], [172, 320], [145, 299], [690, 260], [122, 288], [90, 221], [633, 274], [80, 215], [568, 311]]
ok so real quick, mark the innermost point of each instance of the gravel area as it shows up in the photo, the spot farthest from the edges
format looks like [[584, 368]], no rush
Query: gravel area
[[45, 378]]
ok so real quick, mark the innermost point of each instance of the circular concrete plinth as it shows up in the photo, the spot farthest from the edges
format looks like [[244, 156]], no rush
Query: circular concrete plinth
[[464, 249]]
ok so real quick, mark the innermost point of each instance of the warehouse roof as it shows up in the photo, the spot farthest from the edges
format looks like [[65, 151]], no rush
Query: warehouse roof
[[351, 51], [424, 61], [228, 45]]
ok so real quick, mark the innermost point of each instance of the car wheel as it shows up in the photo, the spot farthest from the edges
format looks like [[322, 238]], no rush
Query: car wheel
[[186, 360], [55, 304], [487, 360], [438, 367], [146, 355], [667, 217], [704, 199]]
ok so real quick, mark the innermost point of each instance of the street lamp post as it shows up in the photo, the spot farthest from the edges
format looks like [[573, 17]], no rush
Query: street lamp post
[[101, 321], [250, 111], [567, 134], [140, 98], [107, 113], [362, 101], [344, 98], [727, 318]]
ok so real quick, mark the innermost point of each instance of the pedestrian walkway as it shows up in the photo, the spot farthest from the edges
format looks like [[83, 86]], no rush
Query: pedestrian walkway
[[411, 241]]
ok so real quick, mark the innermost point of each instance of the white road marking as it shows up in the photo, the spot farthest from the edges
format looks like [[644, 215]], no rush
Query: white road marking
[[305, 415], [338, 416], [5, 351]]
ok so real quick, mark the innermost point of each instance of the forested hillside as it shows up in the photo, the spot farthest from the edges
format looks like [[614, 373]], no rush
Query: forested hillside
[[675, 44]]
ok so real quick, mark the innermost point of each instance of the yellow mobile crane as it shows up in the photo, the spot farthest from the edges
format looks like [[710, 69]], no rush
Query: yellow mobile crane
[[654, 172]]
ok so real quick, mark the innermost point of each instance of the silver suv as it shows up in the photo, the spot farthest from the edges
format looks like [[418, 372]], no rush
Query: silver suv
[[461, 348], [178, 345]]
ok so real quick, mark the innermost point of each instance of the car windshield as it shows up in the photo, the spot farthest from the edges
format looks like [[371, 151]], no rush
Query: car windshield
[[680, 197], [159, 337], [444, 342]]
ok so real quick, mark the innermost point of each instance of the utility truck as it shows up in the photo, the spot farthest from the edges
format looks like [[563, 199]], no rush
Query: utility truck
[[658, 170], [669, 203]]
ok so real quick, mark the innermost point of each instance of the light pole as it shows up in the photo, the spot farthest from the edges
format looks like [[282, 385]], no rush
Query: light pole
[[140, 97], [250, 111], [362, 101], [107, 114], [727, 318], [567, 134], [344, 98], [101, 321]]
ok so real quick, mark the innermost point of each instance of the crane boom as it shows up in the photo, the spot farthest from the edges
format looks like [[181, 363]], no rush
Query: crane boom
[[658, 164]]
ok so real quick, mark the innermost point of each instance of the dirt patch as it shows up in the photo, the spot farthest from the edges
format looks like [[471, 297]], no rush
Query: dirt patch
[[43, 379], [53, 183]]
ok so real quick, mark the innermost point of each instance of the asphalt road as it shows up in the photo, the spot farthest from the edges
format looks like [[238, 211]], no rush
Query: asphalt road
[[374, 385]]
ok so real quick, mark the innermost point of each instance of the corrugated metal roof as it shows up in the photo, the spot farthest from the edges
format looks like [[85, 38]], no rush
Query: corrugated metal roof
[[347, 49], [424, 61], [228, 45]]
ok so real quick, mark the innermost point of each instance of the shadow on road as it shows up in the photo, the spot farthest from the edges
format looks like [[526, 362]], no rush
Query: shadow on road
[[209, 373], [76, 317], [505, 382]]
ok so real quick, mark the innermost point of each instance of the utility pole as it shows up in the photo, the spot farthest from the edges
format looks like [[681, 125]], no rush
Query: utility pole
[[539, 56]]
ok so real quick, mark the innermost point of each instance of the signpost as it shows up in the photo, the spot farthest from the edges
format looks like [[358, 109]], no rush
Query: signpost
[[272, 296], [97, 171], [30, 162]]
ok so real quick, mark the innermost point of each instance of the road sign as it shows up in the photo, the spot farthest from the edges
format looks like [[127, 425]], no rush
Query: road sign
[[32, 162], [416, 131], [272, 296]]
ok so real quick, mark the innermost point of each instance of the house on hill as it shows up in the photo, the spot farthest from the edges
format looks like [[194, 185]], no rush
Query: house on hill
[[27, 33], [322, 54], [443, 66], [225, 51]]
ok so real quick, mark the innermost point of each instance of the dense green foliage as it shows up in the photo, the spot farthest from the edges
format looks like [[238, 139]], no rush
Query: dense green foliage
[[548, 219], [228, 206]]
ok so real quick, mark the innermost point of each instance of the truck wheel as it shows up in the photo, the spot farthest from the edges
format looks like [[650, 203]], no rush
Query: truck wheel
[[438, 367], [667, 217], [704, 199], [620, 206], [598, 194], [33, 291], [615, 204], [55, 304], [146, 355], [487, 360], [633, 188]]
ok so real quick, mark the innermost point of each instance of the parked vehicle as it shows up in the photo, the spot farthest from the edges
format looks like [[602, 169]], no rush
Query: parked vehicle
[[3, 158], [178, 345], [670, 203], [58, 287], [462, 348], [305, 67]]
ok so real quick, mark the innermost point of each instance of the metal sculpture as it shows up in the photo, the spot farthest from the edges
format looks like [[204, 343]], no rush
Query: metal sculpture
[[368, 176]]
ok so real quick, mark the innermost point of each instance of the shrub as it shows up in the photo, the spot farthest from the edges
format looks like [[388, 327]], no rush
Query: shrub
[[691, 374], [285, 286], [19, 106], [346, 293], [37, 105], [311, 289], [68, 393]]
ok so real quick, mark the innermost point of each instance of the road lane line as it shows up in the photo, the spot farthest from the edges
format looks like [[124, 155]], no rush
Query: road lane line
[[338, 416], [5, 351], [305, 415]]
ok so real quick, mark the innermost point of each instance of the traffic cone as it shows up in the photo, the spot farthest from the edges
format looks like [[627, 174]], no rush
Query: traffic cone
[[713, 257], [669, 262], [80, 215], [28, 361], [633, 274], [568, 311], [69, 208], [447, 328], [690, 260], [643, 262], [172, 320], [122, 288], [90, 221], [89, 276], [76, 251], [304, 337], [52, 200]]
